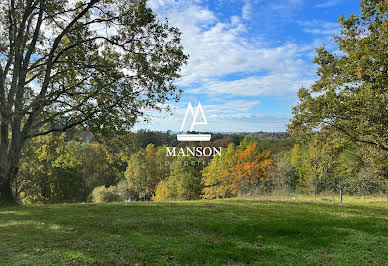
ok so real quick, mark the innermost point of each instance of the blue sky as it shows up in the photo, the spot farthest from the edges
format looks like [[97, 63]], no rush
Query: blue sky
[[248, 58]]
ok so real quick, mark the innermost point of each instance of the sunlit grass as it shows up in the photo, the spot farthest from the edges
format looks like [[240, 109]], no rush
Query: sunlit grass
[[232, 231], [375, 200]]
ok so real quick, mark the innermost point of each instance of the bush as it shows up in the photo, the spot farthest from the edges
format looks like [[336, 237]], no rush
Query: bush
[[162, 192], [103, 194], [123, 191]]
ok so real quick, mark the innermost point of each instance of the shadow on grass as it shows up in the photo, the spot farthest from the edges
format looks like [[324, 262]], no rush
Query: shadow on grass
[[215, 232]]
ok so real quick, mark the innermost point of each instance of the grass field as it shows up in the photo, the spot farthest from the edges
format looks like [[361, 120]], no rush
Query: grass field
[[215, 232]]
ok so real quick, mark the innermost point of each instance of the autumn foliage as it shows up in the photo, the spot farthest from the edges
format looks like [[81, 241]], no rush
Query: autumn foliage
[[240, 171], [250, 168]]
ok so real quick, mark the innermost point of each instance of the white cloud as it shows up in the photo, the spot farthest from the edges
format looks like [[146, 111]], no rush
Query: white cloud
[[285, 4], [218, 49], [268, 85], [224, 64], [231, 107], [252, 122], [326, 4], [319, 27], [246, 11]]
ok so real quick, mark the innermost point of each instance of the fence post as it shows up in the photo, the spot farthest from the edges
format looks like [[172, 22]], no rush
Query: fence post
[[386, 188], [363, 187], [289, 190]]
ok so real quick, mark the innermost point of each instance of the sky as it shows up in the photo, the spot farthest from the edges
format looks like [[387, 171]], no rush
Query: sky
[[248, 58]]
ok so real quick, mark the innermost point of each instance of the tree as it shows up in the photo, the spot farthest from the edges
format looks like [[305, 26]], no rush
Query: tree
[[250, 168], [238, 170], [286, 172], [328, 162], [216, 176], [50, 172], [96, 63], [146, 169], [363, 169], [54, 170], [95, 165], [351, 94], [162, 192], [184, 182], [320, 162]]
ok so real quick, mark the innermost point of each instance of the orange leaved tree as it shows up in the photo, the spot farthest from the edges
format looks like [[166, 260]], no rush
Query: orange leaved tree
[[250, 168]]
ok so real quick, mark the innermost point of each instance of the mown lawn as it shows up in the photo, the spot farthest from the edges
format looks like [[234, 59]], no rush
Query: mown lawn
[[200, 232]]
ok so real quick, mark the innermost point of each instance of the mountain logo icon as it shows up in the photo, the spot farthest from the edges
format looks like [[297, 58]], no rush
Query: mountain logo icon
[[194, 137]]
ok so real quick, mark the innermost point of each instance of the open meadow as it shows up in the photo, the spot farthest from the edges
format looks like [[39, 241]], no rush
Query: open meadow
[[234, 231]]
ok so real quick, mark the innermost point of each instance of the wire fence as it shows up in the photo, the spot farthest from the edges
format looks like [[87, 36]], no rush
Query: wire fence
[[277, 189]]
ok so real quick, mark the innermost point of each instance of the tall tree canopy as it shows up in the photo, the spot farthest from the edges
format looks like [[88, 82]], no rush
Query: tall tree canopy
[[98, 63], [351, 95]]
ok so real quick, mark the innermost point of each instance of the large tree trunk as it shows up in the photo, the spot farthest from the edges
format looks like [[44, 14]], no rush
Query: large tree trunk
[[9, 166], [6, 195], [5, 177]]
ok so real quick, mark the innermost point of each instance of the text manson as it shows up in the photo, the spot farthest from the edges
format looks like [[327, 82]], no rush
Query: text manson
[[193, 151]]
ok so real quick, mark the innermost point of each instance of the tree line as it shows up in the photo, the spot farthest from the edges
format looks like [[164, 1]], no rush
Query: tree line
[[78, 167]]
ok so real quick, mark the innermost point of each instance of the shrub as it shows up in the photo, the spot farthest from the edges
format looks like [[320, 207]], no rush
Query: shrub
[[103, 194], [162, 192], [122, 190]]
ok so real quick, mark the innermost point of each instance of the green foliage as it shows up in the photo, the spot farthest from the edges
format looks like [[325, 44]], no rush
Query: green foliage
[[286, 172], [49, 172], [341, 122], [216, 175], [101, 64], [102, 194], [351, 94], [272, 141], [66, 169], [364, 170], [327, 163], [53, 170], [95, 164], [162, 192], [245, 143], [184, 182], [146, 168]]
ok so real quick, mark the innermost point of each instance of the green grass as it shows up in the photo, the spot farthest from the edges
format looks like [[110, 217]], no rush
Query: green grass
[[375, 200], [215, 232]]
